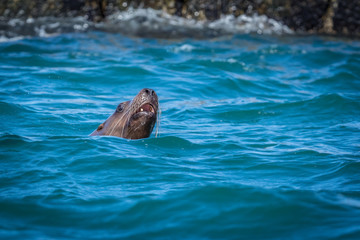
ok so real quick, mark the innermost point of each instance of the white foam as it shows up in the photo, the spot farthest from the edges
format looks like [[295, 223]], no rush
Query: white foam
[[349, 201], [11, 39], [146, 23], [184, 48], [227, 24], [260, 24]]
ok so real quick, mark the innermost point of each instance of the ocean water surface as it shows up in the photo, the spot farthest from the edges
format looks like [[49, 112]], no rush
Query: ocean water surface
[[258, 138]]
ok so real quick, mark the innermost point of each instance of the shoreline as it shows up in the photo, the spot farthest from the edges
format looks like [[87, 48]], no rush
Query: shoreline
[[324, 17]]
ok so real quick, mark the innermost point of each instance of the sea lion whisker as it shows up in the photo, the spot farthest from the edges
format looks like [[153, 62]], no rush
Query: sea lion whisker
[[127, 117], [117, 123], [132, 108], [158, 121]]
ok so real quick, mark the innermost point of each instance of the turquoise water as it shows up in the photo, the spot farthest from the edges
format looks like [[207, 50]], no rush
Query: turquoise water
[[258, 139]]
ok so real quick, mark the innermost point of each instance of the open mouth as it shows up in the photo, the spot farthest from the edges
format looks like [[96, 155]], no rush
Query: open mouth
[[147, 107]]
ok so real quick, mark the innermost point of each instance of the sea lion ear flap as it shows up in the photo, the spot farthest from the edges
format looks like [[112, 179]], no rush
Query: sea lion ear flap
[[120, 107], [101, 126]]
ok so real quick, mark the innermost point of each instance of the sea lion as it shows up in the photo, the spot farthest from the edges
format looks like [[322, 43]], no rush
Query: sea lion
[[132, 119]]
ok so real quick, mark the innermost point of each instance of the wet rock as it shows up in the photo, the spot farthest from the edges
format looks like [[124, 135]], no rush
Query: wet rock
[[346, 18], [341, 17]]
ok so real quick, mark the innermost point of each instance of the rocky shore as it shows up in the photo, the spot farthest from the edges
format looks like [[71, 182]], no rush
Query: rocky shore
[[333, 17]]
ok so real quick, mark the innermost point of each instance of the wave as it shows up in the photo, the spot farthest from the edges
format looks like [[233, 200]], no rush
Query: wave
[[326, 103], [215, 210], [143, 23]]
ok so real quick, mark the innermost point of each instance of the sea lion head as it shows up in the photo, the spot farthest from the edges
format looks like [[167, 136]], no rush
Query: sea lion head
[[133, 119]]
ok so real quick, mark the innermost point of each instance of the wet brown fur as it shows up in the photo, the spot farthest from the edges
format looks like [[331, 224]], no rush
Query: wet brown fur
[[128, 121]]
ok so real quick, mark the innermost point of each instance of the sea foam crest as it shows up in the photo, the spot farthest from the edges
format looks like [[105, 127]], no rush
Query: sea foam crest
[[143, 23], [150, 21]]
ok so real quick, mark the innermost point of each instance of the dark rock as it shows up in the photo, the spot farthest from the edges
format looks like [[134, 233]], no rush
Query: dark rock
[[340, 17], [347, 17], [306, 15]]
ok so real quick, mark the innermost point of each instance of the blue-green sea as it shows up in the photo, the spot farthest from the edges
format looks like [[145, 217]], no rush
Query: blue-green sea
[[259, 138]]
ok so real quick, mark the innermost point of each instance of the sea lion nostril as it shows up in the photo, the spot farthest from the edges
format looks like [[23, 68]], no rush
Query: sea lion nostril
[[149, 91]]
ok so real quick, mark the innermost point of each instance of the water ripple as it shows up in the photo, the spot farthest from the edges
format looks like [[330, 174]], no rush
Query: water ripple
[[256, 133]]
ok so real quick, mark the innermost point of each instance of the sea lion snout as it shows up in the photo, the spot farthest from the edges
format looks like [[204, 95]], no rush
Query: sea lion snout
[[149, 91], [147, 94]]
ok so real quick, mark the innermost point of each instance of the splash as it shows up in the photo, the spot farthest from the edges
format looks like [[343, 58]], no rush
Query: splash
[[143, 23], [149, 22]]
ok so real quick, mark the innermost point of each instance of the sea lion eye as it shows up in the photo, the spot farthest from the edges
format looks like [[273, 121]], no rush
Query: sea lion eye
[[120, 107], [101, 126]]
